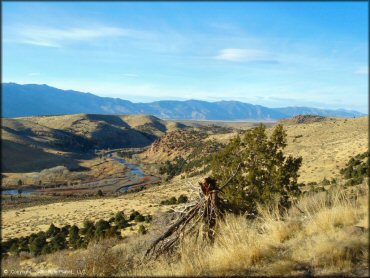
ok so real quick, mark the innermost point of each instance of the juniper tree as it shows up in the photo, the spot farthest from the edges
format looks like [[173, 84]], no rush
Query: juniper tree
[[266, 174], [120, 220], [74, 237], [102, 227], [58, 242], [37, 244]]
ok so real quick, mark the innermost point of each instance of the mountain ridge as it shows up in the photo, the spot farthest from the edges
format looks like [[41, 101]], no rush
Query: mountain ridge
[[39, 100]]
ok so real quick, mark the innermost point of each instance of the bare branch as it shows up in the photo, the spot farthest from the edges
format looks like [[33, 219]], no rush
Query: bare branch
[[231, 177]]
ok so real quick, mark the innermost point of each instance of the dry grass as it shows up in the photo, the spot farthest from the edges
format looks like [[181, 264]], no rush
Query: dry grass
[[17, 223], [329, 238], [326, 239], [324, 146]]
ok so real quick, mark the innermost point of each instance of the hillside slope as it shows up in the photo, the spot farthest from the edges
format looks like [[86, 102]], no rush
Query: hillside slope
[[325, 144], [33, 143]]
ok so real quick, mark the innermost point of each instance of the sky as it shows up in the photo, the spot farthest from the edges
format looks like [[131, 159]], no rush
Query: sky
[[274, 54]]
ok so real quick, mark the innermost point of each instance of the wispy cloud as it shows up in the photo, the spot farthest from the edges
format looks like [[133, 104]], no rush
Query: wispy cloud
[[244, 55], [362, 71], [57, 37]]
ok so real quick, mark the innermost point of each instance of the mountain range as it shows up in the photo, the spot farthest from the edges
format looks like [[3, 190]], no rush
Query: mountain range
[[39, 100]]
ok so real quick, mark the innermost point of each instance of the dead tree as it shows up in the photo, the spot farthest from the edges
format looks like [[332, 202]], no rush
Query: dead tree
[[209, 209]]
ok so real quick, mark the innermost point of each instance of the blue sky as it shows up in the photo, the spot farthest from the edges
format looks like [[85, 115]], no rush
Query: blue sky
[[273, 54]]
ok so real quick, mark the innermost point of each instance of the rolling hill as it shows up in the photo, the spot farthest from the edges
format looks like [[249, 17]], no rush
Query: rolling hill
[[32, 143], [37, 100]]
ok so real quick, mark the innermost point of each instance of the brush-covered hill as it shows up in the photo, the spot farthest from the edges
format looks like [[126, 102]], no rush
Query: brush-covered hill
[[31, 143], [35, 100], [325, 144], [305, 119]]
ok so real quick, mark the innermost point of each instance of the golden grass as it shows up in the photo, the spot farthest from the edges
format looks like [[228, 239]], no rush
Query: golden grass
[[17, 223], [323, 240], [327, 239], [324, 146]]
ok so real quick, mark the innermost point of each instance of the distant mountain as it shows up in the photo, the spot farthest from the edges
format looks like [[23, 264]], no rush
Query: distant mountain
[[36, 100]]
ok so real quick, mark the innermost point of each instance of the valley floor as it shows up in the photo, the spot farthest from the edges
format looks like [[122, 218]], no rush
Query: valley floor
[[22, 222]]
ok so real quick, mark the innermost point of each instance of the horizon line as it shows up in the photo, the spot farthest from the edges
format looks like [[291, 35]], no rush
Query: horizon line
[[186, 100]]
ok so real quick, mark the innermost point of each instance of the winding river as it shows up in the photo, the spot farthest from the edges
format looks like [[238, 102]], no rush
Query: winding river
[[134, 177]]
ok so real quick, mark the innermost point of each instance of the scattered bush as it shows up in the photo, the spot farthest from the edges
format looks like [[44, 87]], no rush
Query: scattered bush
[[148, 218], [58, 242], [139, 218], [120, 220], [182, 199], [142, 230], [74, 237], [133, 215], [173, 168], [88, 230], [325, 181], [356, 169], [101, 228], [52, 231], [171, 201]]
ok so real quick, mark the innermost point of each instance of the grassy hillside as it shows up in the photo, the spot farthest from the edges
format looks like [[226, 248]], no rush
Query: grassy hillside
[[35, 143], [325, 145]]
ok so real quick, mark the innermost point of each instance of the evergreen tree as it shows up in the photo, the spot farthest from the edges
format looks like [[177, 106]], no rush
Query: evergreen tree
[[88, 230], [37, 244], [52, 231], [266, 174], [58, 242], [120, 220], [102, 227], [74, 237]]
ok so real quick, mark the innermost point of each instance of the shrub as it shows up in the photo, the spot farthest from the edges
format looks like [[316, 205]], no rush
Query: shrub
[[142, 230], [148, 218], [65, 229], [171, 201], [14, 248], [88, 229], [74, 237], [100, 193], [266, 174], [113, 232], [58, 242], [182, 199], [47, 249], [112, 219], [356, 169], [120, 220], [139, 218], [325, 181], [6, 245], [52, 231], [37, 244], [101, 228], [133, 215], [23, 245], [173, 168]]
